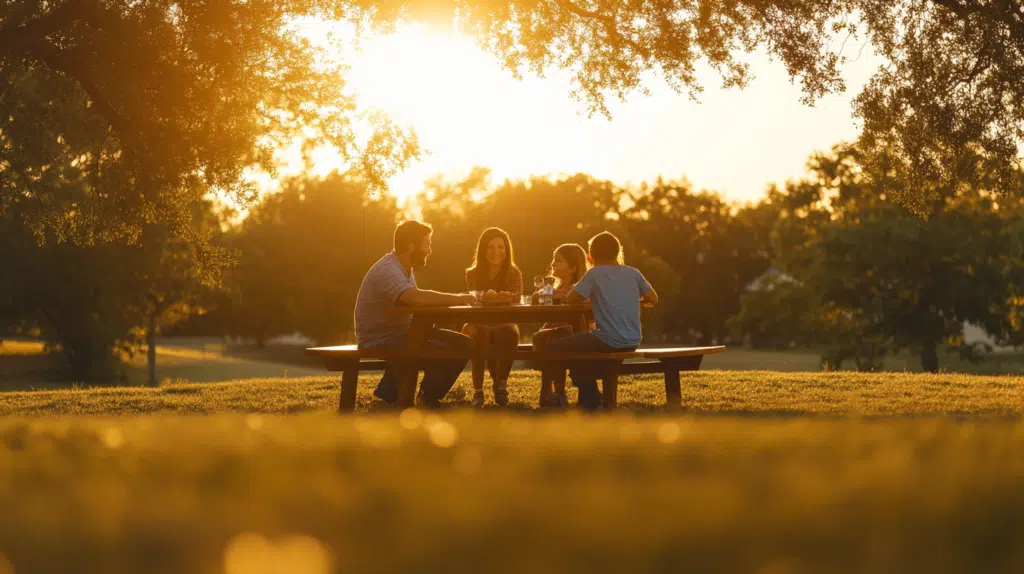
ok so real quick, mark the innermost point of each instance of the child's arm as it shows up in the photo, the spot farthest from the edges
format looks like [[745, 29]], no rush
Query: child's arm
[[582, 290], [650, 298], [573, 298]]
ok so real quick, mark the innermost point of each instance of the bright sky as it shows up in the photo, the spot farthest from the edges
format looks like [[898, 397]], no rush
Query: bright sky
[[467, 112]]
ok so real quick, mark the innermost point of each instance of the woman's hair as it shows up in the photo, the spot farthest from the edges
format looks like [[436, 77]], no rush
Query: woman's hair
[[575, 257], [606, 247], [479, 268]]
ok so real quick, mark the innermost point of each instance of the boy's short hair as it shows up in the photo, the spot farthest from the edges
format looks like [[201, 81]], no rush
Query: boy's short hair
[[410, 232], [605, 247]]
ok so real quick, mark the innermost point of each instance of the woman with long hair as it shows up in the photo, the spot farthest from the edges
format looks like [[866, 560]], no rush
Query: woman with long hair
[[494, 269], [568, 265]]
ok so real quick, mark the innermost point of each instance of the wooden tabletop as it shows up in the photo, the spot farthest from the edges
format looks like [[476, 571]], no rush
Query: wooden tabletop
[[574, 315], [462, 310]]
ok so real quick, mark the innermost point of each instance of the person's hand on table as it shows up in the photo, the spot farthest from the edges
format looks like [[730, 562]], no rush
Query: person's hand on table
[[468, 299]]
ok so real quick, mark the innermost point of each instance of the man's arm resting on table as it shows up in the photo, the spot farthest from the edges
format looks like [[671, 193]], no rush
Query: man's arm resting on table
[[427, 298], [574, 298]]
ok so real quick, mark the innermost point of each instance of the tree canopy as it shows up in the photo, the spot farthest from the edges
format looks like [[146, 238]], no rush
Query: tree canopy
[[175, 98], [118, 114], [866, 276]]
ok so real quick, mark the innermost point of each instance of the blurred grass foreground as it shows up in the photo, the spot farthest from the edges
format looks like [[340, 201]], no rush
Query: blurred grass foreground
[[459, 491], [764, 472]]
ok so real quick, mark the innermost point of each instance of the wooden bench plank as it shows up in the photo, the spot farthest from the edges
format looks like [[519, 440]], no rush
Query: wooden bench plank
[[352, 352], [642, 367], [364, 364], [678, 352], [552, 356]]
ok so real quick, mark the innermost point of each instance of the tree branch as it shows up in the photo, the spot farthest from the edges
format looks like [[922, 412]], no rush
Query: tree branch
[[609, 24], [61, 62], [980, 65], [1010, 15], [32, 39], [16, 38]]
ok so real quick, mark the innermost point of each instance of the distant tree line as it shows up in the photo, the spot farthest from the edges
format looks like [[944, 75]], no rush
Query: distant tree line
[[826, 263]]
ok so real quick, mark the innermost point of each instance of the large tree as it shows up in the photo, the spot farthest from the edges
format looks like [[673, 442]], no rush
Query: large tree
[[86, 260], [91, 302], [176, 98]]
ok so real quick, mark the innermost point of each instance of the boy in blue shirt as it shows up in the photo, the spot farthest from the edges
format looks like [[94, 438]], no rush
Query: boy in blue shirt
[[615, 291]]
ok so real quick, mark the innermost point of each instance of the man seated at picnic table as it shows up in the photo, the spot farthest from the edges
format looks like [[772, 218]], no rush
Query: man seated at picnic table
[[389, 283]]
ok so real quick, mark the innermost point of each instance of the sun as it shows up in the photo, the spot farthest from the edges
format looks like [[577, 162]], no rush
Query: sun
[[418, 75], [465, 109]]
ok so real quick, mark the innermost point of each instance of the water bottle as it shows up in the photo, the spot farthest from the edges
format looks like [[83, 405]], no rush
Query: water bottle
[[546, 294], [538, 289]]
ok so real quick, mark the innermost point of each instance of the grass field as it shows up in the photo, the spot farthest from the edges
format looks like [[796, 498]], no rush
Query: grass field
[[24, 367], [745, 393], [764, 472], [460, 492], [205, 359]]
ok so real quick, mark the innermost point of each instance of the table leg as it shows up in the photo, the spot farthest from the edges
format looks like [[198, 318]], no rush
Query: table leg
[[673, 390], [418, 330], [580, 325], [349, 382]]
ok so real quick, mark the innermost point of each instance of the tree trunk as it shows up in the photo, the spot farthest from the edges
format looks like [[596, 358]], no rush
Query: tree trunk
[[151, 349], [930, 357], [90, 362]]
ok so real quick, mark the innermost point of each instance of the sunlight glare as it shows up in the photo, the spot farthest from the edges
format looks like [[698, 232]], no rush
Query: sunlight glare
[[468, 111], [464, 107]]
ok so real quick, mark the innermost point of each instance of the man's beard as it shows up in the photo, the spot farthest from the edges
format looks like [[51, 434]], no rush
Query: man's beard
[[418, 258]]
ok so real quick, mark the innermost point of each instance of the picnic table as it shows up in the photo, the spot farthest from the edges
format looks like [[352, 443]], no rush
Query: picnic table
[[350, 359]]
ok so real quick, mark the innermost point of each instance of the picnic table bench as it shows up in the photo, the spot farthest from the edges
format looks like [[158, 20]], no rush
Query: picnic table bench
[[350, 360]]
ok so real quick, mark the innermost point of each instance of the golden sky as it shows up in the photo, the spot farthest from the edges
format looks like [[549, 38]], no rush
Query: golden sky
[[467, 112]]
